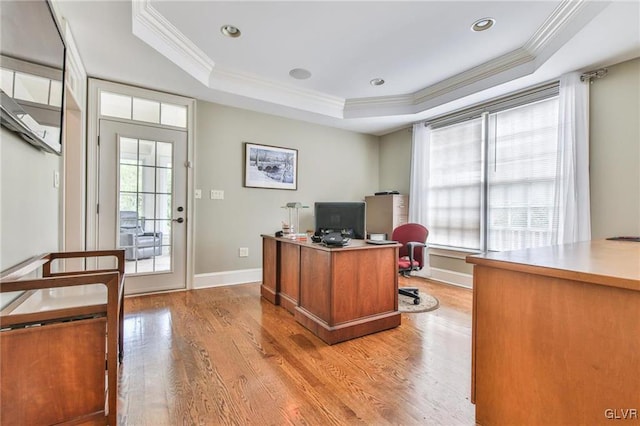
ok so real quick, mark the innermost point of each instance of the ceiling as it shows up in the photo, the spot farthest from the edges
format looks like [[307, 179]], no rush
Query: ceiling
[[425, 51]]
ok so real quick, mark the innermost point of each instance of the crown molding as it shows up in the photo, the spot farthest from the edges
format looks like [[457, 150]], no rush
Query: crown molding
[[253, 86], [553, 26], [379, 105], [517, 63], [154, 29]]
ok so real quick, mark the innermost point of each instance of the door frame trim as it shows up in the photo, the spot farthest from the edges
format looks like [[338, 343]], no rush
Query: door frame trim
[[95, 87]]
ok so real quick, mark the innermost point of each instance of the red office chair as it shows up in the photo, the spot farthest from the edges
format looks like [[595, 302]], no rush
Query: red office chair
[[413, 238]]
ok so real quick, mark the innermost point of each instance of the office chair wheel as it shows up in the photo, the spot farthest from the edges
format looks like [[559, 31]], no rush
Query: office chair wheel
[[416, 301]]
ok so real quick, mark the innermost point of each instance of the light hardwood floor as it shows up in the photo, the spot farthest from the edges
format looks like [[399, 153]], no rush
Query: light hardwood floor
[[226, 356]]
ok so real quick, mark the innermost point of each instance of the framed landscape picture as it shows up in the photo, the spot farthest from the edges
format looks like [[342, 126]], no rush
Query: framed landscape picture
[[270, 167]]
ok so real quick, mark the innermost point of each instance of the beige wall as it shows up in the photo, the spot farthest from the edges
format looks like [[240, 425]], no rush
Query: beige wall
[[395, 161], [334, 165], [615, 151], [29, 203]]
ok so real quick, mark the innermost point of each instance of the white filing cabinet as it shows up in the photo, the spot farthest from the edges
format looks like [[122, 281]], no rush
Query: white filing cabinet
[[386, 212]]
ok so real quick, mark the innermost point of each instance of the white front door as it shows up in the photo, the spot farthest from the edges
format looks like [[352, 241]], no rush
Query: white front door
[[142, 202]]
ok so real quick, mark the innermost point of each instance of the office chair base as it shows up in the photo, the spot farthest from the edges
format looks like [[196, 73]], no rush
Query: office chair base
[[410, 292]]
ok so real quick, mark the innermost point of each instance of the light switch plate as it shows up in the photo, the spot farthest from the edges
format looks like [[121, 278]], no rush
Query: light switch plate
[[217, 194], [198, 194], [243, 252]]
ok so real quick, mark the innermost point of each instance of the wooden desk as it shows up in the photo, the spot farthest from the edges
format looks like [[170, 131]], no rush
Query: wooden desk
[[337, 293], [556, 334]]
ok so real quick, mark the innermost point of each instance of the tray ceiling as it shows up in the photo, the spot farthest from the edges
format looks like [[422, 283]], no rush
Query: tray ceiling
[[425, 51]]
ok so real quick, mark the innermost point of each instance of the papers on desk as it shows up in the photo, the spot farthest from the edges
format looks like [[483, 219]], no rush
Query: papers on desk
[[381, 242]]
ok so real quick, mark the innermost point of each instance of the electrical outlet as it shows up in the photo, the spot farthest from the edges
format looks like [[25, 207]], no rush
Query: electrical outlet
[[198, 194], [217, 194], [243, 252]]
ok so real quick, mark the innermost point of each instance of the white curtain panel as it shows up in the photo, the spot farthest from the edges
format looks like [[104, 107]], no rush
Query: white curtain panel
[[419, 185], [572, 203]]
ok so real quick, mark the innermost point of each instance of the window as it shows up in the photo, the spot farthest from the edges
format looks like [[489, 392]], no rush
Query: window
[[522, 157], [455, 189], [492, 178], [145, 110]]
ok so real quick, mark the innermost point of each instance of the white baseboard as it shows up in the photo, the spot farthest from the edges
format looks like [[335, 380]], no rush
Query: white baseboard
[[243, 276], [451, 277], [219, 279]]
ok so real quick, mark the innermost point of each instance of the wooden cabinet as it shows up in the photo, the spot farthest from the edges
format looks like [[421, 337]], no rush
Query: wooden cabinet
[[386, 212], [336, 293], [555, 334]]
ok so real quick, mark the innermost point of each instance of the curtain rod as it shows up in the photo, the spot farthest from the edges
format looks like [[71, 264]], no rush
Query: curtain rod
[[590, 75], [510, 100]]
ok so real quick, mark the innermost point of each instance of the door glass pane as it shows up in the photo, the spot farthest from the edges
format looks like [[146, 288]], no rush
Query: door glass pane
[[163, 206], [148, 153], [128, 151], [148, 179], [163, 263], [146, 206], [164, 226], [128, 177], [163, 181], [128, 202], [145, 189], [165, 154]]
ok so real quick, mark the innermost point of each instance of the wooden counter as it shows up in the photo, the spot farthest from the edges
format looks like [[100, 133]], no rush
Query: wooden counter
[[556, 334], [336, 293]]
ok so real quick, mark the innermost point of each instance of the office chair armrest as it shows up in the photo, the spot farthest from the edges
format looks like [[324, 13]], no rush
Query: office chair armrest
[[412, 245]]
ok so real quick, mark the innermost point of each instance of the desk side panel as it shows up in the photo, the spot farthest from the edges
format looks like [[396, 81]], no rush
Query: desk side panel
[[315, 283], [365, 283], [289, 267], [269, 288], [553, 351]]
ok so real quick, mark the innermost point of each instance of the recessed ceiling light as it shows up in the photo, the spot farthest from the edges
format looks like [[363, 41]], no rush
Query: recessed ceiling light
[[376, 82], [300, 73], [230, 31], [483, 24]]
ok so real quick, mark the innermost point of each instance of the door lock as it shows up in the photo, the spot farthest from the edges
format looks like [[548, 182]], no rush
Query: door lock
[[179, 220]]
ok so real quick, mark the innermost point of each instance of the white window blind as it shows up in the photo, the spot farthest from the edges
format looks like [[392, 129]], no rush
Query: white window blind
[[521, 174], [494, 190], [455, 185]]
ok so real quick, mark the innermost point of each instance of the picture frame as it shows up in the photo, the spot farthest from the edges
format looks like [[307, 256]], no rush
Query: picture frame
[[270, 167]]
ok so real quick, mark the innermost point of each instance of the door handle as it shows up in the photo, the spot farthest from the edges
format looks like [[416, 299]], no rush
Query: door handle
[[179, 220]]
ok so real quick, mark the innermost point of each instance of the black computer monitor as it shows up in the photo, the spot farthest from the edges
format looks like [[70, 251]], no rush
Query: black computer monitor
[[345, 217]]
